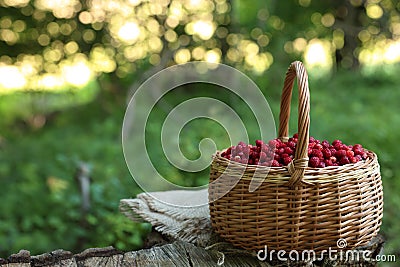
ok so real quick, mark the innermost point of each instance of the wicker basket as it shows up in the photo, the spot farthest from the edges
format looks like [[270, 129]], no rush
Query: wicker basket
[[296, 207]]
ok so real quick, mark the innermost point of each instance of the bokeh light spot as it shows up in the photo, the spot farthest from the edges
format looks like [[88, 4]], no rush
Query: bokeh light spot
[[304, 3], [16, 3], [5, 23], [317, 54], [85, 17], [43, 40], [129, 32], [9, 36], [204, 29], [221, 32], [299, 44], [392, 53], [155, 44], [154, 59], [233, 55], [374, 11], [364, 36], [338, 38], [263, 40], [11, 77], [213, 56], [65, 29], [170, 36], [89, 36], [53, 28], [198, 53], [328, 20], [182, 56], [19, 26], [77, 74]]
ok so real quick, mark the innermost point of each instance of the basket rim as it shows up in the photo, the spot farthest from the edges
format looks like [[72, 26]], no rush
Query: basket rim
[[311, 175]]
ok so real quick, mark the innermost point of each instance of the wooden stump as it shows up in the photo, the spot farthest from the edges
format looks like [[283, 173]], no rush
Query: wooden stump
[[177, 253]]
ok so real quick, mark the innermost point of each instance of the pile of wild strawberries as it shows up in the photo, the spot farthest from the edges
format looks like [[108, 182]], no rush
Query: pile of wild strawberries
[[276, 153]]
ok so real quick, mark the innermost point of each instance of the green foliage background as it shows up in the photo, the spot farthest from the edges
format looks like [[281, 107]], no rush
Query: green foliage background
[[46, 134]]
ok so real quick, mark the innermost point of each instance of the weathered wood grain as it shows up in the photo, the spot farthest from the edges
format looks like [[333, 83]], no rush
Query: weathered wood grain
[[176, 254]]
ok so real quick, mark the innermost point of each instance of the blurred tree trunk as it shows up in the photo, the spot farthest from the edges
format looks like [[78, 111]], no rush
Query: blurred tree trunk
[[348, 19]]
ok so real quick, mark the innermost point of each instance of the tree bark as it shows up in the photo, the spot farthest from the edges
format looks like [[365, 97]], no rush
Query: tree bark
[[177, 253]]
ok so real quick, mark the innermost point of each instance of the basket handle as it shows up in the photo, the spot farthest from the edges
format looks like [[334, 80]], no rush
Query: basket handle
[[297, 166]]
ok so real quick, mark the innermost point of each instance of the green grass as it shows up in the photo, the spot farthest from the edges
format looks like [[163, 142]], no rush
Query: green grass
[[41, 201], [21, 105], [40, 215]]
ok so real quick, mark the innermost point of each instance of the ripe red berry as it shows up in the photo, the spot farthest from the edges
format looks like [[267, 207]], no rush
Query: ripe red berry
[[357, 146], [275, 163], [280, 144], [340, 153], [313, 162], [291, 144], [336, 142], [325, 144], [327, 153], [288, 150], [284, 155], [259, 143], [273, 143], [276, 153], [358, 151], [337, 146], [318, 146], [353, 159], [344, 160], [256, 155], [349, 153], [317, 153], [344, 147], [239, 148], [264, 148], [286, 160]]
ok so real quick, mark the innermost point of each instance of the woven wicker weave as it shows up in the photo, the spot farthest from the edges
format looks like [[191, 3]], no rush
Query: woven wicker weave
[[296, 207]]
